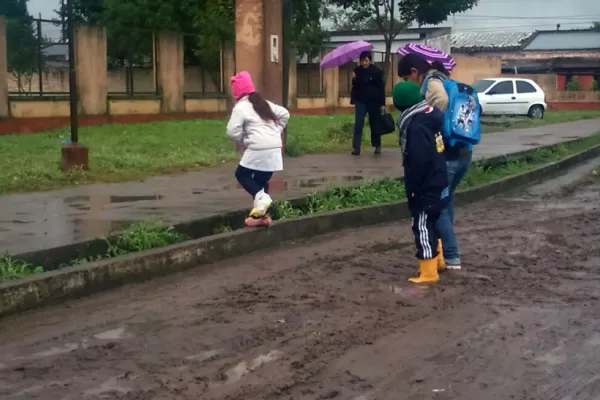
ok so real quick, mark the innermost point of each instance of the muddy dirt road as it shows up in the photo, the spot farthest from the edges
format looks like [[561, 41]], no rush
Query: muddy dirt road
[[335, 318]]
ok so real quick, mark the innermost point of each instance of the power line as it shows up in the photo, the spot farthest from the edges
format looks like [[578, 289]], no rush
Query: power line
[[572, 17], [524, 28], [503, 2]]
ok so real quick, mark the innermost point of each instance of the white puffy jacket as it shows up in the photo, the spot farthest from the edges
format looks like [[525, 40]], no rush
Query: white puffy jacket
[[246, 126]]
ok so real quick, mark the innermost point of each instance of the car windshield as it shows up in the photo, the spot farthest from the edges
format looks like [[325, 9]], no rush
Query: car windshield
[[482, 85]]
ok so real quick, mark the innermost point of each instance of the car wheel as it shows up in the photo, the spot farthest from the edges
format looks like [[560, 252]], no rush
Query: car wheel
[[536, 112]]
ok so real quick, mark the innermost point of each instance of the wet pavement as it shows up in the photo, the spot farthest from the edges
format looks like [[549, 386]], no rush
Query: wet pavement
[[35, 221]]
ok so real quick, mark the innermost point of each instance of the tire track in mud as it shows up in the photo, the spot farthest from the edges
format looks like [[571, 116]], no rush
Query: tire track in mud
[[334, 318]]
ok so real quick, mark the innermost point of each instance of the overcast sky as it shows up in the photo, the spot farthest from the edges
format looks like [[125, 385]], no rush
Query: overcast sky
[[489, 15]]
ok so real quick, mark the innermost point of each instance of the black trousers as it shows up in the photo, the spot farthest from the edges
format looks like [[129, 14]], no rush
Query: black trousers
[[361, 110], [426, 235], [253, 181]]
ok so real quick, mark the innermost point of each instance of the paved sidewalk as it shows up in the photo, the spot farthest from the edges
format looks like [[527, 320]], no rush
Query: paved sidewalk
[[35, 221]]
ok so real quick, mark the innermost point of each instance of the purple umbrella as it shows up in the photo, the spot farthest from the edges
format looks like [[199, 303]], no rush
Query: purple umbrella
[[344, 53], [431, 54]]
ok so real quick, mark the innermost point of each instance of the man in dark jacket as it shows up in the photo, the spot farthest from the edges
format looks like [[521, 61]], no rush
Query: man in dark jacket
[[425, 175], [368, 97]]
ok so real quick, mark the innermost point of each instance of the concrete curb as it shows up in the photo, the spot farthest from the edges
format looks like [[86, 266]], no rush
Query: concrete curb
[[86, 279], [53, 258]]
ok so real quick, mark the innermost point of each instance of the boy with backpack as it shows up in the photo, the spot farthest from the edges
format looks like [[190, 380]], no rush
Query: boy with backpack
[[462, 130], [425, 175]]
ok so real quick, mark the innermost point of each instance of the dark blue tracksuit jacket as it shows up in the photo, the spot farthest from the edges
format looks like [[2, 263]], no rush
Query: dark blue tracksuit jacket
[[425, 175]]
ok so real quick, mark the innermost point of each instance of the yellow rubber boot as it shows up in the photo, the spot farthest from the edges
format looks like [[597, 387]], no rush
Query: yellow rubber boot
[[428, 271], [441, 263]]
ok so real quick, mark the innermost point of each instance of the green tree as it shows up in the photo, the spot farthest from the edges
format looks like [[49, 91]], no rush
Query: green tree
[[207, 25], [307, 32], [214, 22], [21, 43], [595, 25], [572, 84], [392, 16]]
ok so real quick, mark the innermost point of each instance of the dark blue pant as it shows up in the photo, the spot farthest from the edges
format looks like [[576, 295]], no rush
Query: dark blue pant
[[361, 110], [253, 181]]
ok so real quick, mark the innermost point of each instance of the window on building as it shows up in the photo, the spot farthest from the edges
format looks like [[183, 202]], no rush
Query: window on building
[[505, 87], [572, 83], [525, 87]]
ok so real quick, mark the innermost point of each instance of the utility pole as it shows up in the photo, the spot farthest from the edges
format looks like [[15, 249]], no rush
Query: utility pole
[[285, 50], [74, 155], [63, 20], [72, 75]]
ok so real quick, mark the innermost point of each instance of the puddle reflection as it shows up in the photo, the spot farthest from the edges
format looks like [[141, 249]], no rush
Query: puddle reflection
[[133, 199], [92, 214], [413, 291], [316, 182]]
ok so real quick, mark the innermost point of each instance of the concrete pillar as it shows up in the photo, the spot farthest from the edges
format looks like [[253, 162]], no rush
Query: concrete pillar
[[395, 59], [92, 74], [228, 71], [169, 64], [273, 67], [258, 25], [331, 86], [4, 107], [249, 39], [293, 81], [389, 75]]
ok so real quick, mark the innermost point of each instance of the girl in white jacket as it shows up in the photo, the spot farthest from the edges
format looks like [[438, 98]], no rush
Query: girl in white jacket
[[257, 124]]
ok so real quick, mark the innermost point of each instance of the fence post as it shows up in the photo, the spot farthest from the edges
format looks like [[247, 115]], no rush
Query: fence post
[[4, 107], [293, 80], [169, 51], [227, 72], [331, 86], [395, 60], [90, 63], [40, 57]]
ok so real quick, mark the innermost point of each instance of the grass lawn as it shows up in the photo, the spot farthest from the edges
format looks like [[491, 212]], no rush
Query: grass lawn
[[127, 152]]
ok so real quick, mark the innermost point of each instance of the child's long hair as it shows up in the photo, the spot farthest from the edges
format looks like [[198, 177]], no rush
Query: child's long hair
[[262, 108]]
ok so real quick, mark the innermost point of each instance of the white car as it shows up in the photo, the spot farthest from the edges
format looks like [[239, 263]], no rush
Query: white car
[[511, 96]]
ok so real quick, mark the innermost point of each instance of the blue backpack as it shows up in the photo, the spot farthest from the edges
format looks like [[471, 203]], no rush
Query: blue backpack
[[461, 119]]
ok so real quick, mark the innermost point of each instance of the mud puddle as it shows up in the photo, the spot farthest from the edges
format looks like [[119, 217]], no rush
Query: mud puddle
[[335, 318]]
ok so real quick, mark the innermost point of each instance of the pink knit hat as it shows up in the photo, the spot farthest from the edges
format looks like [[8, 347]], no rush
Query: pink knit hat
[[241, 85]]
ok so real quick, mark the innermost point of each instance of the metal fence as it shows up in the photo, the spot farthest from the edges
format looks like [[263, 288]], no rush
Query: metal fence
[[346, 74], [309, 75], [37, 57], [203, 73], [130, 56]]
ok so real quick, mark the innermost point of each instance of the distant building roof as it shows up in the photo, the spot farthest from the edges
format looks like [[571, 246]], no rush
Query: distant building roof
[[484, 42], [583, 39], [487, 42], [56, 49]]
